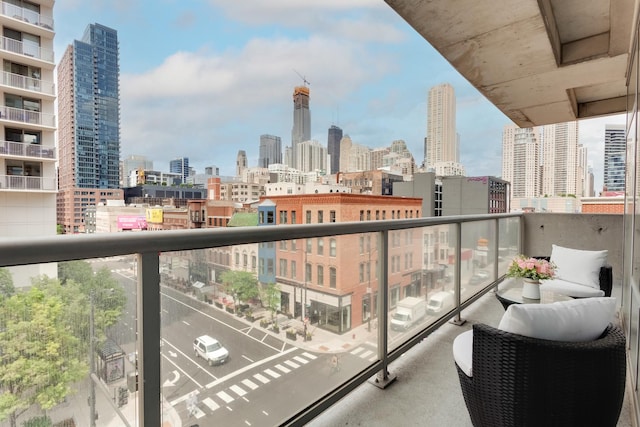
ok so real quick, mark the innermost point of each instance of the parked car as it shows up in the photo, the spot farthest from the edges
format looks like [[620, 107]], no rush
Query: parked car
[[210, 350], [476, 279]]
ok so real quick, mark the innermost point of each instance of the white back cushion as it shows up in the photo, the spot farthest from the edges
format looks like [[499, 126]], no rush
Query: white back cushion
[[463, 352], [578, 266], [570, 288], [575, 320]]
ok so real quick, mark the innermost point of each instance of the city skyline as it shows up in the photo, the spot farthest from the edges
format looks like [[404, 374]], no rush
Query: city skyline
[[222, 77]]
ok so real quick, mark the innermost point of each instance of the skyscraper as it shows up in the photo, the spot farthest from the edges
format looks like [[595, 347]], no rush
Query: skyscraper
[[241, 162], [270, 150], [28, 154], [181, 166], [614, 157], [301, 121], [520, 160], [560, 159], [441, 143], [89, 125], [333, 147]]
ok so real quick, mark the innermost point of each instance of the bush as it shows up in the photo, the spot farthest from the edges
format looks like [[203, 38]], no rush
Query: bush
[[43, 421]]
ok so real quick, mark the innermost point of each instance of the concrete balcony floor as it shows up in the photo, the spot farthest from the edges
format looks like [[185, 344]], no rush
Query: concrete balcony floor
[[426, 391]]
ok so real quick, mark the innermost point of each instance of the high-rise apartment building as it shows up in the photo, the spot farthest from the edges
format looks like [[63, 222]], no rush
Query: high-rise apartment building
[[133, 163], [521, 160], [583, 172], [89, 125], [560, 159], [301, 122], [27, 117], [270, 151], [312, 156], [180, 166], [614, 157], [441, 143], [333, 147]]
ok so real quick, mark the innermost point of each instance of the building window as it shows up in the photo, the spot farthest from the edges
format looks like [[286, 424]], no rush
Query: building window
[[283, 245], [332, 216], [283, 217], [361, 244], [293, 217], [361, 275], [307, 272], [293, 245], [332, 247], [309, 246], [320, 246], [294, 268], [393, 214], [308, 217], [361, 215], [332, 277], [237, 258], [320, 275], [270, 217], [320, 217], [245, 260], [368, 215], [283, 267], [384, 215], [270, 266], [377, 215], [253, 262]]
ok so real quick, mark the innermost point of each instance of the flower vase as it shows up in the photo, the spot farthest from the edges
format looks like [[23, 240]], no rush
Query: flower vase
[[530, 288]]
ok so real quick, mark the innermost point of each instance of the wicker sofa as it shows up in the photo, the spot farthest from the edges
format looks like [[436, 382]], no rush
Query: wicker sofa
[[523, 381]]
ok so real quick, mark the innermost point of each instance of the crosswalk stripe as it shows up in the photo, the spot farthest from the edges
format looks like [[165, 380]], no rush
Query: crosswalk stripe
[[357, 350], [261, 378], [283, 369], [294, 365], [309, 356], [250, 384], [272, 373], [210, 403], [224, 396], [301, 360], [366, 354], [238, 390]]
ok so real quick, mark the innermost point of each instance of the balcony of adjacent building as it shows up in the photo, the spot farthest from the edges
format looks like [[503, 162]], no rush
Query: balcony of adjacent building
[[25, 47], [25, 150], [28, 85], [329, 357], [30, 118], [24, 175], [29, 16]]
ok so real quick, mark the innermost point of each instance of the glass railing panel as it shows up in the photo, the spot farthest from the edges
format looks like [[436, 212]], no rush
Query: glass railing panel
[[509, 242], [477, 259], [251, 333], [67, 334]]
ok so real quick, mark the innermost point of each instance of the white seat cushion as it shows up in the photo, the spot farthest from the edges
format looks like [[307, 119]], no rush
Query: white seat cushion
[[574, 320], [578, 266], [463, 351], [569, 288]]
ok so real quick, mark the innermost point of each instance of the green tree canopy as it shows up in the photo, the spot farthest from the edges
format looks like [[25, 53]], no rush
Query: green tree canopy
[[271, 298], [6, 283], [242, 284], [41, 357]]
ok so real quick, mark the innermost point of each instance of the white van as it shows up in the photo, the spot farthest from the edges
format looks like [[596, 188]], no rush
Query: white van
[[440, 301]]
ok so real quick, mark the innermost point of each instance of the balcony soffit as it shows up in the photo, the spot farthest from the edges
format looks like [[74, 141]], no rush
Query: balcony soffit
[[539, 61]]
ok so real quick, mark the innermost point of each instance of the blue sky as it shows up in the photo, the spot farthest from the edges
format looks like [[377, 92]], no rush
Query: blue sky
[[205, 78]]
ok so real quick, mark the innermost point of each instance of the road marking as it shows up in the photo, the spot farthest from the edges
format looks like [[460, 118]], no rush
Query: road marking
[[247, 358], [265, 412], [294, 365], [247, 422], [250, 384], [230, 410], [220, 321], [185, 397], [283, 369], [249, 367], [198, 413], [272, 373], [238, 390], [211, 403], [187, 375], [186, 323], [357, 350], [164, 310], [264, 337], [190, 360], [261, 378], [245, 399], [366, 354], [224, 396], [171, 383], [301, 360], [309, 355]]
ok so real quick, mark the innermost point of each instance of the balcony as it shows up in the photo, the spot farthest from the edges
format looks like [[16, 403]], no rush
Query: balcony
[[26, 49], [33, 151], [280, 377], [28, 183], [28, 16], [27, 116], [28, 83]]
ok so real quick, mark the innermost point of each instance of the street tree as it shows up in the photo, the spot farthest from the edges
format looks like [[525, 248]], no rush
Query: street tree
[[6, 283], [243, 285], [271, 298], [41, 358]]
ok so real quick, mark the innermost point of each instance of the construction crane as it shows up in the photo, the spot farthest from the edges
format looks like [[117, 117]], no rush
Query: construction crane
[[304, 80]]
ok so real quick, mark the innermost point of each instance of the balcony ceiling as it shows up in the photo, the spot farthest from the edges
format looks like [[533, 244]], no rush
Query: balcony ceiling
[[538, 61]]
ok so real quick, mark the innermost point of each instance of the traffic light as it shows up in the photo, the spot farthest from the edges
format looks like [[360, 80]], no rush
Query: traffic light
[[123, 396]]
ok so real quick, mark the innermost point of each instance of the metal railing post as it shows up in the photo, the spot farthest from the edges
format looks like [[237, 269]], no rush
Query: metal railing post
[[383, 378], [458, 320], [148, 340]]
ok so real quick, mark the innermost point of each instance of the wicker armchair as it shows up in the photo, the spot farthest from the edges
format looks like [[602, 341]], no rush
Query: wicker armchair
[[522, 381]]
